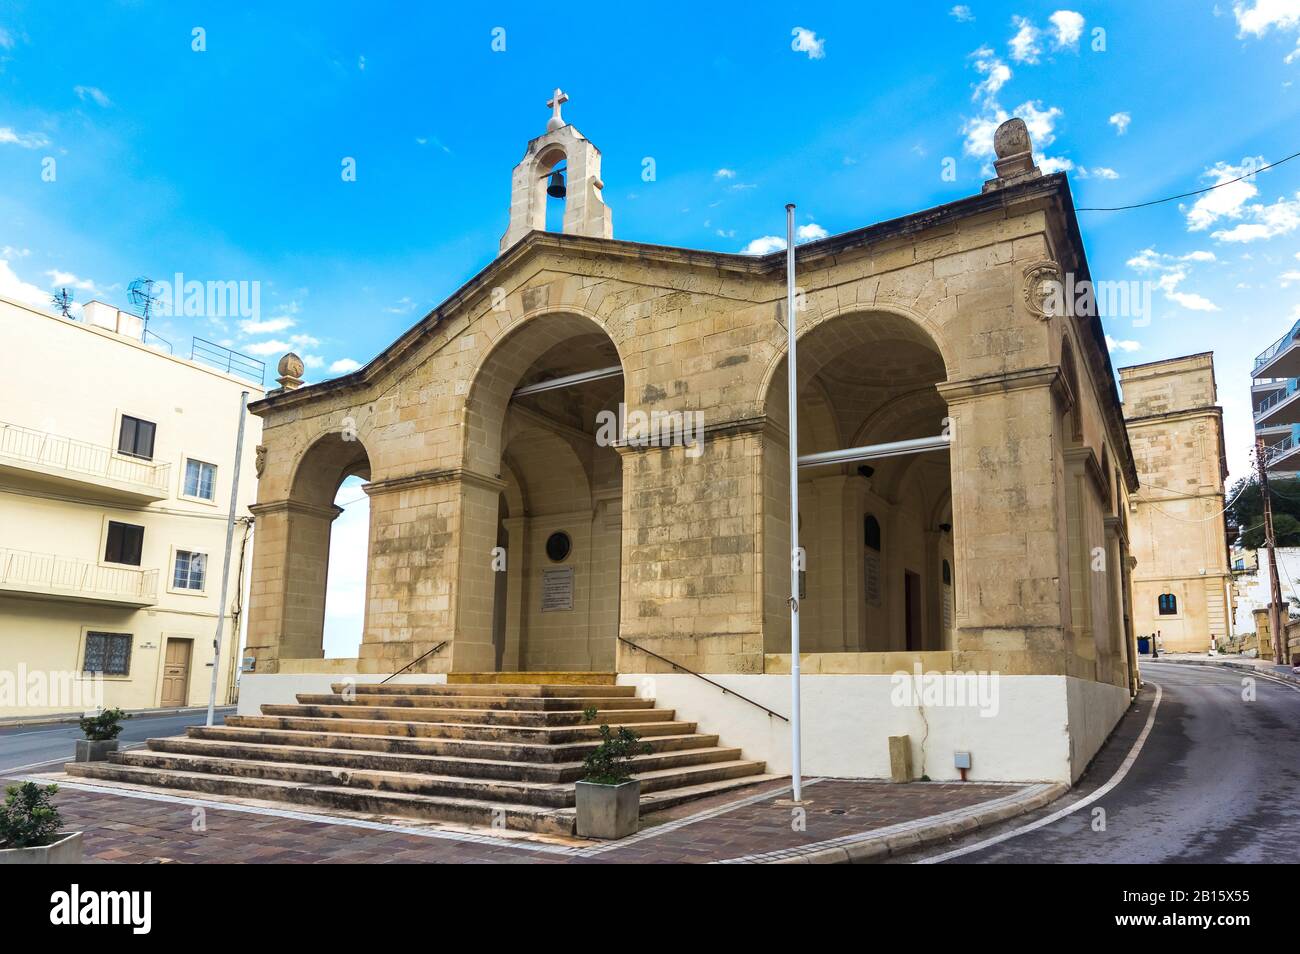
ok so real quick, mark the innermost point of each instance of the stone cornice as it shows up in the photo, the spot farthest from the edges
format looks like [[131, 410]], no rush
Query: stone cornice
[[959, 392], [430, 477], [294, 506]]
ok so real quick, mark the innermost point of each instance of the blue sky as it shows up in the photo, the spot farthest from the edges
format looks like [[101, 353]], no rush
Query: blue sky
[[224, 164]]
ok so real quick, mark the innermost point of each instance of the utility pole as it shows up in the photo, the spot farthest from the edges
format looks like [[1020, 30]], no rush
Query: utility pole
[[1275, 601]]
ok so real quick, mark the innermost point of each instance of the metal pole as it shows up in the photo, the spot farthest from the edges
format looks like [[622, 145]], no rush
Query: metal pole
[[225, 564], [796, 561], [1275, 588]]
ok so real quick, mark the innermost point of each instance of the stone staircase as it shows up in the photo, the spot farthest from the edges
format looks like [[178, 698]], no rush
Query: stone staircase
[[479, 753]]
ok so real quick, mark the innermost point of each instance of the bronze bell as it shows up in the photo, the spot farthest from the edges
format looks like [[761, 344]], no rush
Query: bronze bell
[[556, 187]]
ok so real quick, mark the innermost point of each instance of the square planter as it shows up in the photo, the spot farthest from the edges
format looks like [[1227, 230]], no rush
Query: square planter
[[88, 751], [608, 811], [66, 851]]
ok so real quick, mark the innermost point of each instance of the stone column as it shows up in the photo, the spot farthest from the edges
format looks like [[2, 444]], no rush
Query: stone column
[[1006, 525], [832, 578], [290, 567], [516, 592]]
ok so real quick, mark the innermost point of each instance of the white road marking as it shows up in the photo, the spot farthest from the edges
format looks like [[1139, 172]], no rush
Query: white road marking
[[1056, 816]]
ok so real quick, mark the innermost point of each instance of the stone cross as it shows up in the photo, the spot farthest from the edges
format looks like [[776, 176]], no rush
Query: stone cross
[[556, 120]]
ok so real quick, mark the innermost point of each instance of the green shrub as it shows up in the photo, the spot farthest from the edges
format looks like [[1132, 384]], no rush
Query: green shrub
[[610, 762], [105, 726], [27, 819]]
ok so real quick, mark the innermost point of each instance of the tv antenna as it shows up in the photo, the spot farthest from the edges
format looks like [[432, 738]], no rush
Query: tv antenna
[[142, 293], [63, 302]]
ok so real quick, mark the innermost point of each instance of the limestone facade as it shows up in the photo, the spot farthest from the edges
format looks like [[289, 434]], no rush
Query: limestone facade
[[1008, 552], [1182, 585]]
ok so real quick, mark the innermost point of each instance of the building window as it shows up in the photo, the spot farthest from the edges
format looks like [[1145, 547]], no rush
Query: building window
[[108, 653], [871, 532], [1168, 604], [200, 479], [558, 546], [136, 437], [189, 571], [125, 541]]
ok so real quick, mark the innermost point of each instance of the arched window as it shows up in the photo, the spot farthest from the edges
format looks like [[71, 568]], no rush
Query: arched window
[[1168, 604], [871, 532], [947, 574]]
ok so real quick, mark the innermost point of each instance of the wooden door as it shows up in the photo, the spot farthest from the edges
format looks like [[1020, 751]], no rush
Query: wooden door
[[176, 673]]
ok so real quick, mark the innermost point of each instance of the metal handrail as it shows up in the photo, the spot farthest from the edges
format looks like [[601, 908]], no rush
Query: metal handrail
[[1275, 399], [66, 453], [692, 672], [414, 661], [227, 360]]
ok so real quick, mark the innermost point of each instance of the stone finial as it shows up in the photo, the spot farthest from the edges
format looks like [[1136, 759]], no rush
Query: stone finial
[[1015, 155], [291, 369], [555, 102]]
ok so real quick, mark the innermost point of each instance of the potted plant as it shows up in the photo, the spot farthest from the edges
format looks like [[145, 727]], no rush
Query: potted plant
[[101, 735], [29, 829], [608, 797]]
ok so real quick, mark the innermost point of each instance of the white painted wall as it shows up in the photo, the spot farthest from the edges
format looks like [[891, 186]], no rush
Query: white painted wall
[[847, 721]]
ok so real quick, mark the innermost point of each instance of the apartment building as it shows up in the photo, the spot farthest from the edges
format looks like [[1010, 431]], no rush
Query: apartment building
[[116, 461], [1275, 402]]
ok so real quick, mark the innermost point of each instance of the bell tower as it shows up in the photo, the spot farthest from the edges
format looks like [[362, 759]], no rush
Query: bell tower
[[585, 212]]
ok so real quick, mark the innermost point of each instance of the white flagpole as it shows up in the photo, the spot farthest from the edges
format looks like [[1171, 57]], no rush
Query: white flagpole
[[225, 566], [792, 387]]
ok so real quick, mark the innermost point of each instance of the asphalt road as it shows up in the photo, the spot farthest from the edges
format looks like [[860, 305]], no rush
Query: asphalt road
[[28, 746], [1216, 781]]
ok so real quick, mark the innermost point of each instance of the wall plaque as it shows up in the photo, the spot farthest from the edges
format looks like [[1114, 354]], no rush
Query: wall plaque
[[557, 589]]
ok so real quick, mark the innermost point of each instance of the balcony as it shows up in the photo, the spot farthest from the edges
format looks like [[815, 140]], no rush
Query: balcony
[[1282, 359], [83, 466], [1280, 407], [46, 576]]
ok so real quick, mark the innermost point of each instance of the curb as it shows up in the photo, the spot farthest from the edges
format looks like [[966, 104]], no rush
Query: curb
[[870, 849], [1239, 666], [56, 718]]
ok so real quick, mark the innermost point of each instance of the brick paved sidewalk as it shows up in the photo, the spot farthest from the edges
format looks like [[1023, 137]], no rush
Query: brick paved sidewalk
[[139, 826]]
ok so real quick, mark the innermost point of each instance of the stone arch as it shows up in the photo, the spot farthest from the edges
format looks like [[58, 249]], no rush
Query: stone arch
[[541, 458], [874, 374], [310, 514]]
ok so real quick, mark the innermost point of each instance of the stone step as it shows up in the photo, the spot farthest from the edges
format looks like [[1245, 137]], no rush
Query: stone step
[[544, 794], [502, 717], [341, 696], [463, 811], [457, 766], [538, 735], [535, 690], [458, 748], [548, 678]]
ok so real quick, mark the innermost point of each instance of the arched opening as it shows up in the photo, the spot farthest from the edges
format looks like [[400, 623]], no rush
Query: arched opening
[[877, 534], [316, 543], [345, 582], [534, 424]]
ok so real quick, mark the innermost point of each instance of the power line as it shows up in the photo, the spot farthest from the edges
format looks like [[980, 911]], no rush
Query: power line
[[1188, 195]]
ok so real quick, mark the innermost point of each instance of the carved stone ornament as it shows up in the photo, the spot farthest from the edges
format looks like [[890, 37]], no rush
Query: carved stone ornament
[[1042, 288]]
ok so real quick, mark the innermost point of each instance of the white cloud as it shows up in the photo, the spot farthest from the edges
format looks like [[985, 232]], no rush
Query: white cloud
[[1024, 43], [403, 306], [251, 327], [29, 140], [1286, 278], [1067, 26], [1051, 164], [1227, 201], [1280, 218], [1199, 256], [1102, 172], [273, 346], [94, 93], [961, 13], [62, 279], [806, 41], [1041, 122], [361, 63], [1115, 344], [1261, 16], [775, 243], [1169, 282], [343, 366], [1172, 275], [313, 361], [1121, 122], [13, 287], [6, 39], [725, 173], [995, 72], [304, 341]]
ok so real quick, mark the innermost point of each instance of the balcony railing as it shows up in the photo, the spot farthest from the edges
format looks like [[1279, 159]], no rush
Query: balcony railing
[[223, 359], [79, 457], [65, 576], [1277, 346], [1277, 397]]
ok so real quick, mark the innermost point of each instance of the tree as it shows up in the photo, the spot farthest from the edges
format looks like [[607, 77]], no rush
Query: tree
[[1247, 511]]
